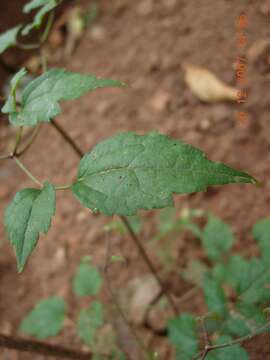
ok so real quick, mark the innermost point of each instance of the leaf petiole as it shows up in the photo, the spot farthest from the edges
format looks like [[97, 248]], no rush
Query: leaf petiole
[[27, 172]]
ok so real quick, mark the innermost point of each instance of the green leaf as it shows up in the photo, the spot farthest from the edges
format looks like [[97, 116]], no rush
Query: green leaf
[[129, 172], [254, 285], [8, 38], [87, 280], [253, 313], [10, 104], [261, 232], [45, 7], [214, 296], [89, 321], [41, 96], [217, 239], [46, 319], [237, 326], [233, 272], [235, 352], [183, 335], [28, 215]]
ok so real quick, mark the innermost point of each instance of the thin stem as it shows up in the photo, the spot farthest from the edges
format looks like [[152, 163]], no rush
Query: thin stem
[[63, 187], [5, 157], [68, 139], [43, 348], [27, 172], [17, 140], [30, 141], [149, 263], [27, 46], [240, 340], [47, 29]]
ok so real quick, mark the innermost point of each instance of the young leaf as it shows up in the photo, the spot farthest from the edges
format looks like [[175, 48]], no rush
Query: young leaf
[[235, 325], [261, 232], [87, 280], [40, 98], [8, 38], [28, 215], [217, 238], [10, 104], [89, 321], [45, 7], [253, 313], [46, 319], [214, 296], [183, 335], [235, 352], [128, 172]]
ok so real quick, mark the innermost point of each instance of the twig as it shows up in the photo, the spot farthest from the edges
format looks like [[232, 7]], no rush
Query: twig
[[29, 142], [42, 348], [149, 263], [125, 221], [202, 355]]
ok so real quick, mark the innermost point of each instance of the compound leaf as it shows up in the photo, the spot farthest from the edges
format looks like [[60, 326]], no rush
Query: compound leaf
[[87, 280], [28, 215], [46, 319], [45, 7], [89, 321], [41, 96], [183, 335], [128, 172], [261, 232], [8, 38], [217, 238]]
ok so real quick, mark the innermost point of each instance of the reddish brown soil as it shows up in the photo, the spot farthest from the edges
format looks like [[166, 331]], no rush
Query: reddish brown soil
[[144, 43]]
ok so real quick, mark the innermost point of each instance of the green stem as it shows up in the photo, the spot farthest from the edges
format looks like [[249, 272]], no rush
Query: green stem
[[27, 46], [27, 172], [64, 187], [30, 141], [17, 140], [47, 29]]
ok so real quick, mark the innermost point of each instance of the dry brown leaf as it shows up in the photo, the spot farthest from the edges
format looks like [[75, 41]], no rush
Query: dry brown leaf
[[206, 86]]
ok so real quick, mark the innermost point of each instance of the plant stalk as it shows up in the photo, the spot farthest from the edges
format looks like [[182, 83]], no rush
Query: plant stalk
[[27, 172]]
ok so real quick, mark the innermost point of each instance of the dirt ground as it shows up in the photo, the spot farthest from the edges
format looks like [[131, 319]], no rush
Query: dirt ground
[[144, 43]]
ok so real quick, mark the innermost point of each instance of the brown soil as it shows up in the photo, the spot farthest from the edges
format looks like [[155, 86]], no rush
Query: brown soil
[[143, 43]]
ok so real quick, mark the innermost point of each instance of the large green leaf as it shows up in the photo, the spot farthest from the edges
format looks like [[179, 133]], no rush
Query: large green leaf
[[217, 238], [128, 172], [261, 232], [183, 335], [8, 38], [40, 98], [46, 319], [87, 280], [89, 321], [45, 6], [28, 215]]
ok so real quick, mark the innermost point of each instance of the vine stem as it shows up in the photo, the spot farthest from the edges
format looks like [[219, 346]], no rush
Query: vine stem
[[208, 347], [125, 222], [43, 348], [27, 172]]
